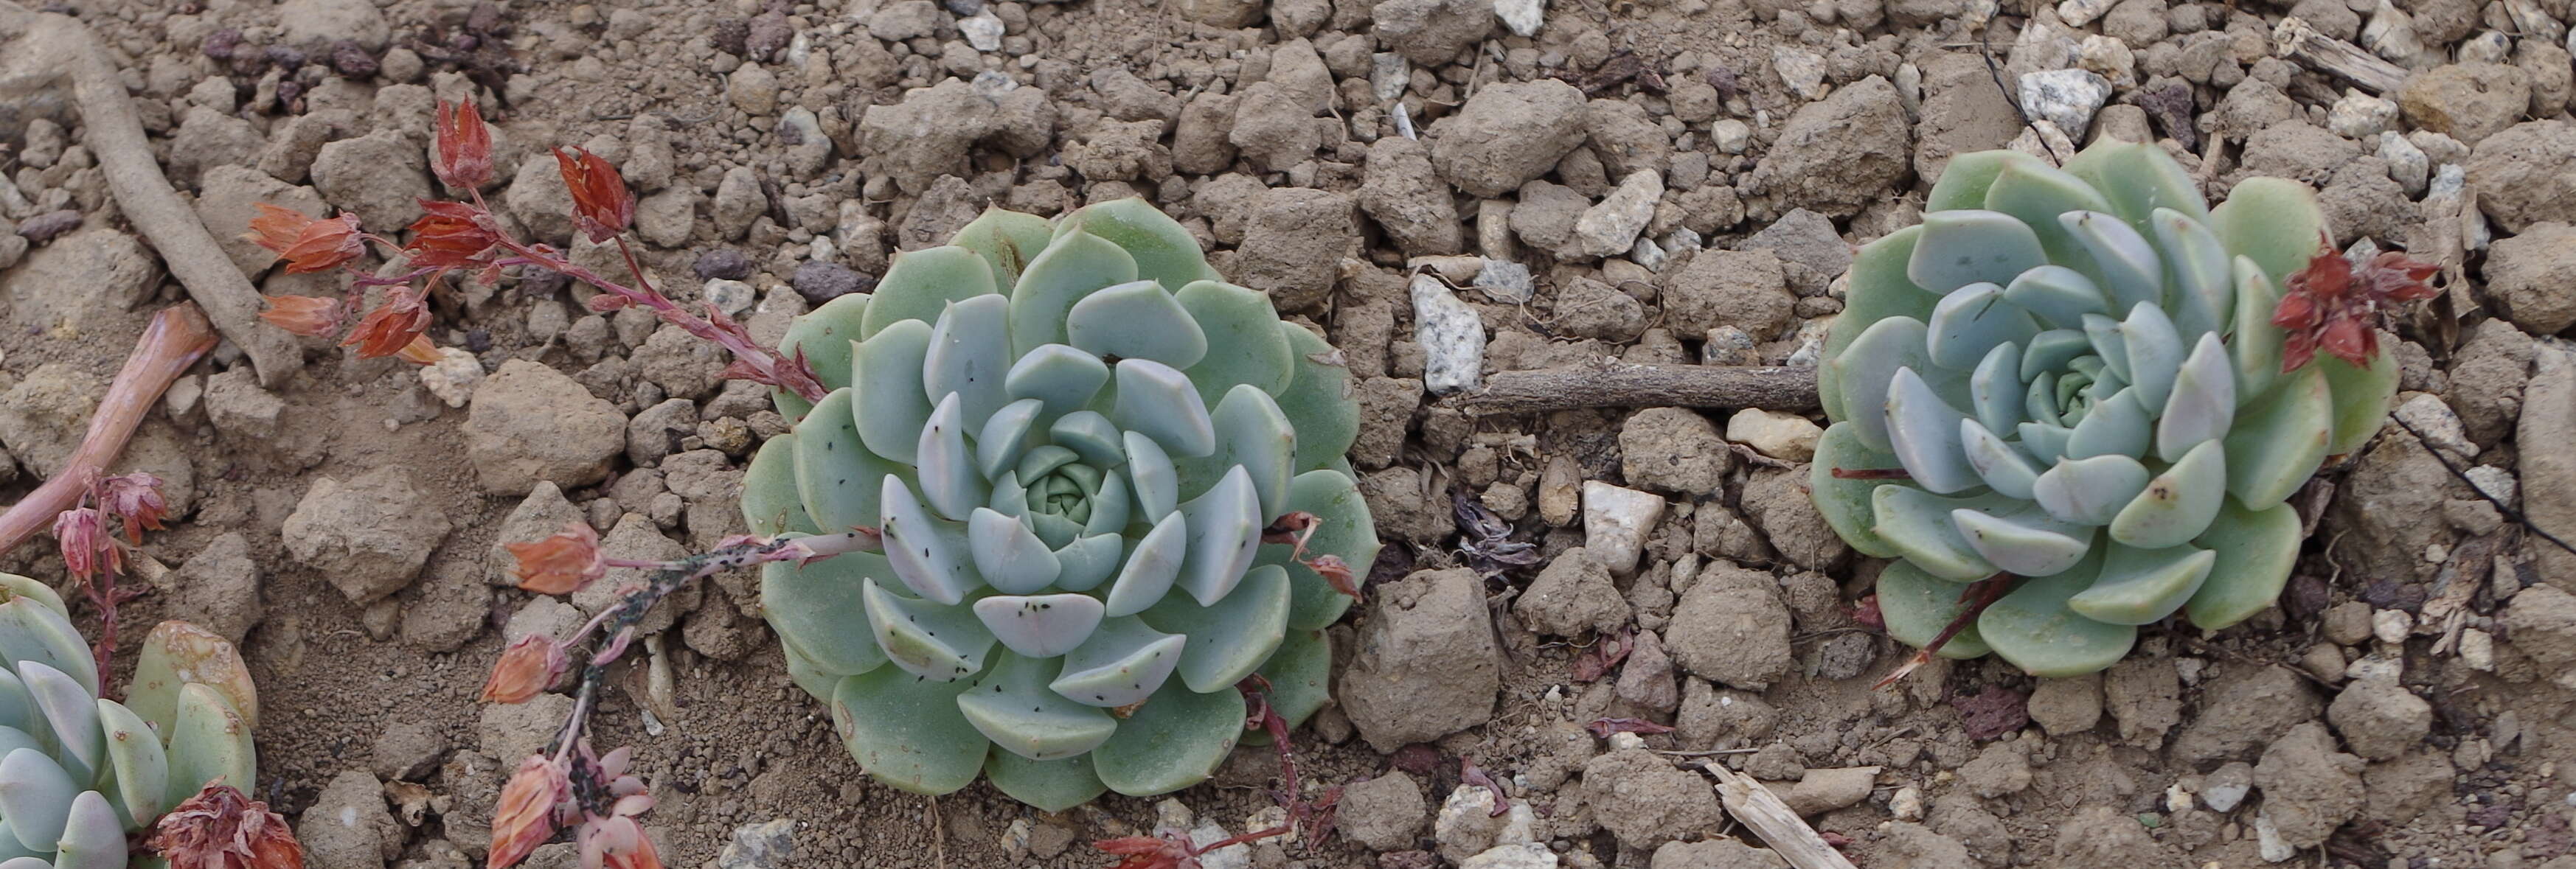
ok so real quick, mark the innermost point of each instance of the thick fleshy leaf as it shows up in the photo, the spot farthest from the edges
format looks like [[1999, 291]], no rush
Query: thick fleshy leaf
[[2024, 543], [1319, 401], [2138, 178], [18, 713], [1091, 436], [1300, 675], [1966, 181], [2117, 426], [1175, 740], [138, 766], [1878, 289], [2274, 221], [210, 741], [1047, 785], [2032, 628], [1230, 638], [2155, 353], [907, 732], [2050, 351], [13, 587], [176, 654], [2255, 347], [2036, 193], [2255, 549], [93, 837], [919, 284], [1865, 369], [2141, 586], [926, 639], [1160, 402], [2110, 344], [2280, 438], [824, 336], [814, 607], [2203, 404], [949, 481], [1136, 320], [1124, 661], [1224, 531], [1150, 473], [1848, 505], [1923, 432], [772, 503], [1164, 251], [969, 356], [929, 554], [2204, 292], [1006, 435], [2129, 268], [840, 483], [1074, 266], [1062, 377], [1973, 320], [1009, 555], [1040, 626], [36, 798], [1089, 560], [1995, 388], [2060, 296], [1969, 246], [889, 402], [32, 631], [1245, 345], [2178, 504], [72, 713], [1920, 527], [2002, 466], [1007, 240], [1013, 707], [2090, 491], [2044, 442], [1251, 434], [1917, 606], [2361, 395], [1151, 567], [1344, 529]]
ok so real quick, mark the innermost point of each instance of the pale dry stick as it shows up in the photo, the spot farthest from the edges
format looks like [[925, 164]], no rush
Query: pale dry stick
[[175, 339], [1622, 384], [1787, 834], [46, 50], [2296, 40]]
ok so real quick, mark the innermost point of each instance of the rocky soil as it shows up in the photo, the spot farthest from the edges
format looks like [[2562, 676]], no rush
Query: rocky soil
[[1671, 181]]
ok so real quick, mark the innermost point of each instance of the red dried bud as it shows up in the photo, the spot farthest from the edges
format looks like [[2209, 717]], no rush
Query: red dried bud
[[562, 563], [305, 243], [617, 842], [451, 235], [136, 499], [86, 546], [2336, 304], [310, 316], [601, 204], [392, 327], [527, 668], [464, 154], [528, 806], [219, 828]]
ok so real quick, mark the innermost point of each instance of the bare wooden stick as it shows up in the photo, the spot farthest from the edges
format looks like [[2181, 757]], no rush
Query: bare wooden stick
[[49, 49], [1620, 384], [2298, 41], [1782, 829], [177, 336]]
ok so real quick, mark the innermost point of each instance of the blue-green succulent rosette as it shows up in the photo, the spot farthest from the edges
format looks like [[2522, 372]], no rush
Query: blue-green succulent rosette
[[1073, 435], [2066, 382]]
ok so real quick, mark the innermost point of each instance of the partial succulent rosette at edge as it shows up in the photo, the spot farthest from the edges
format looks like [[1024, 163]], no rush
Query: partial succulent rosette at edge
[[1106, 480], [80, 772], [2064, 393]]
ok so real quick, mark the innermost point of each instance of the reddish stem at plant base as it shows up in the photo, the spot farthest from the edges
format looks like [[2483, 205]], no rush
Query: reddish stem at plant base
[[175, 339], [1978, 596]]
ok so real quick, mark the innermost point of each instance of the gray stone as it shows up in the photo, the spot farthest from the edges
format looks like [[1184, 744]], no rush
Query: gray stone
[[1426, 664], [368, 537]]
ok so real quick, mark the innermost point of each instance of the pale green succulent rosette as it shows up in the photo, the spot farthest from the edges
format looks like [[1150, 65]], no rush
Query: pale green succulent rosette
[[1072, 435], [2076, 371], [79, 772]]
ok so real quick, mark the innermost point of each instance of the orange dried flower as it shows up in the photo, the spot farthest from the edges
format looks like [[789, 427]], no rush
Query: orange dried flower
[[562, 563], [419, 351], [601, 204], [451, 235], [463, 158], [617, 842], [392, 326], [87, 548], [528, 806], [303, 315], [135, 498], [307, 244], [219, 828], [527, 668]]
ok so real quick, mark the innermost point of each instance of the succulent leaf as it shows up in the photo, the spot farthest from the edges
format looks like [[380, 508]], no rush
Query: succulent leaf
[[93, 837], [1072, 437], [2068, 380], [211, 740]]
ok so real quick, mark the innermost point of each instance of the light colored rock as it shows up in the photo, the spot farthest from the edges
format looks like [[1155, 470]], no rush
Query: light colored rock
[[2223, 789], [1527, 855], [1505, 281], [1731, 136], [983, 32], [2437, 424], [369, 537], [760, 846], [2361, 116], [2077, 13], [1802, 70], [1467, 825], [1451, 335], [2407, 164], [1615, 523], [2268, 844], [2065, 97], [1524, 17], [1784, 436], [1610, 228], [453, 377]]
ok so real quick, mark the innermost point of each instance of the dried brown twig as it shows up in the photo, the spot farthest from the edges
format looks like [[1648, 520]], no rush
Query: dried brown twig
[[175, 339]]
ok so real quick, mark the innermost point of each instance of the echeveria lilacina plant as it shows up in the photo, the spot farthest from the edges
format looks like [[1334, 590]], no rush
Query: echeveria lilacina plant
[[78, 772], [1073, 436], [2067, 384]]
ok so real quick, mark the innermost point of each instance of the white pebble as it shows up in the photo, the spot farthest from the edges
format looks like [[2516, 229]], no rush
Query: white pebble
[[2391, 626], [1784, 436], [2065, 97], [1524, 17], [2268, 842], [1802, 70], [729, 296], [453, 377], [1731, 136], [1451, 335], [1610, 228], [2361, 116], [1615, 523], [2477, 649], [2077, 13], [983, 32]]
